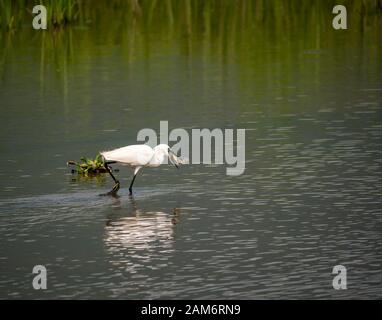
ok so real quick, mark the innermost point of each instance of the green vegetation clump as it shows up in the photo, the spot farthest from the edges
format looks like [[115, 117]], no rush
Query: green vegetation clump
[[89, 166]]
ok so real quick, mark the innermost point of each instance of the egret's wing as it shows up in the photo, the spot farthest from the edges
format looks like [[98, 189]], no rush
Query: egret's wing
[[134, 155]]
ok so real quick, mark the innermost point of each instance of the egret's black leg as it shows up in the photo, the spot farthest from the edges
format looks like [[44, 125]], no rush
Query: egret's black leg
[[117, 184], [131, 185]]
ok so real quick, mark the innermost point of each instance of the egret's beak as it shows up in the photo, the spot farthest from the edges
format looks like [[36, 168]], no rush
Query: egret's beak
[[173, 158]]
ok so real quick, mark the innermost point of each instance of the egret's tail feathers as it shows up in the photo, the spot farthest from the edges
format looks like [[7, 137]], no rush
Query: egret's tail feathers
[[105, 158]]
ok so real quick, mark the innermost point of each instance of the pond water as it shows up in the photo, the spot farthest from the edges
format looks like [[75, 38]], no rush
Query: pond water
[[310, 197]]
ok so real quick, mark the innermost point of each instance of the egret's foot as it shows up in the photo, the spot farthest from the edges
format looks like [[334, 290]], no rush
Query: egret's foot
[[112, 192], [116, 187]]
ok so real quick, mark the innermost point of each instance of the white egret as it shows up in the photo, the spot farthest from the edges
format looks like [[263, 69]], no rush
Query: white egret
[[137, 157]]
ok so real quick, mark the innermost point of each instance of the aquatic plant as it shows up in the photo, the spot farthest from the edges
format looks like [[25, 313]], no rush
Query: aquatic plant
[[61, 12], [6, 16], [89, 166], [10, 15], [191, 14]]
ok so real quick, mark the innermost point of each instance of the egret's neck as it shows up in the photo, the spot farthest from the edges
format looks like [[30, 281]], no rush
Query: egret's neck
[[157, 159]]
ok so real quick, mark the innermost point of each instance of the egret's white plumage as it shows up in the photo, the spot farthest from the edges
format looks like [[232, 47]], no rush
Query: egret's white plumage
[[137, 157]]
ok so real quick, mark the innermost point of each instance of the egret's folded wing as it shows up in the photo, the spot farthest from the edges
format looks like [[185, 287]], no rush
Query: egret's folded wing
[[134, 155]]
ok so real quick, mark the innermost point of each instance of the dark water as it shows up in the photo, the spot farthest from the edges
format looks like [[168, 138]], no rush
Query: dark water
[[309, 199]]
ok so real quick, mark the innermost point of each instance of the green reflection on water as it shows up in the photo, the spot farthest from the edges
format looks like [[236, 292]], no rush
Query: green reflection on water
[[260, 51], [225, 31]]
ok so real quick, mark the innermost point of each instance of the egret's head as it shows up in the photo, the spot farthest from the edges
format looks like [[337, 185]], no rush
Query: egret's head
[[163, 149], [166, 150]]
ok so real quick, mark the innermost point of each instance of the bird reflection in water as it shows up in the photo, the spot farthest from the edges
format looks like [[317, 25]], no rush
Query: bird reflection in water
[[141, 238]]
